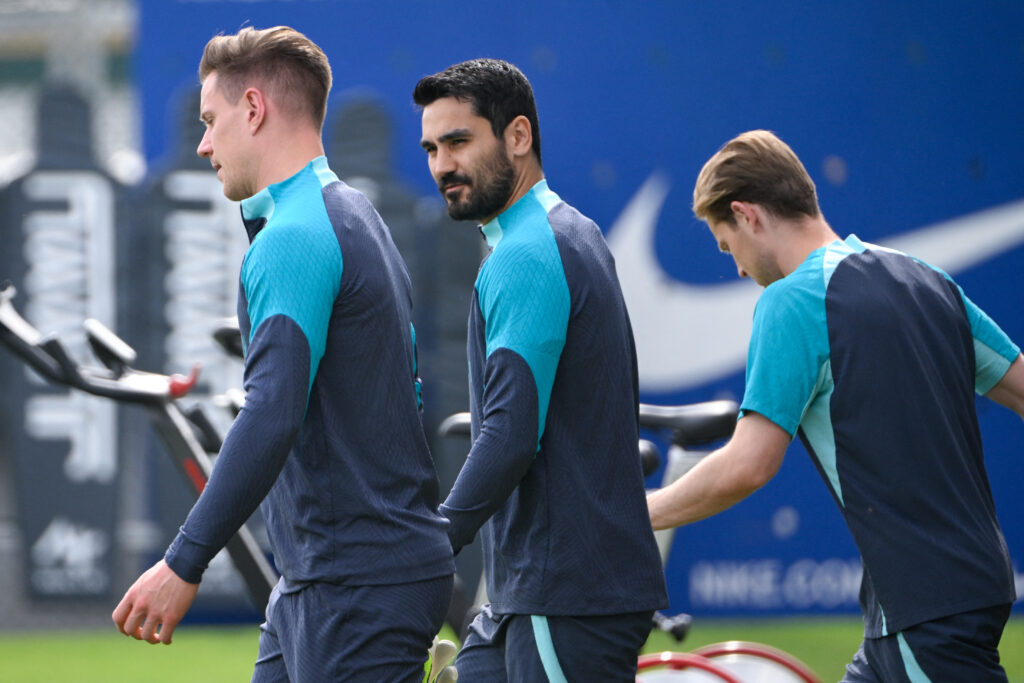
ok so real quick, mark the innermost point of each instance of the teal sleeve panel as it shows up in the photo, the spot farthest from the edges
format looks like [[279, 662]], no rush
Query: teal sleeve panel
[[524, 298], [294, 270], [788, 347], [993, 349]]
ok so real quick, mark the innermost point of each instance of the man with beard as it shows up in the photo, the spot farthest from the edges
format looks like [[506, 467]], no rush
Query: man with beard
[[553, 480]]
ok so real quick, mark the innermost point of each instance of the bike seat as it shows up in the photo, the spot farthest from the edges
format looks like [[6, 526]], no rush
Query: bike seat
[[455, 424], [694, 423], [229, 337]]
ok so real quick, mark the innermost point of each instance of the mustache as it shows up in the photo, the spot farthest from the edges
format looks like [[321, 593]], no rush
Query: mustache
[[452, 179]]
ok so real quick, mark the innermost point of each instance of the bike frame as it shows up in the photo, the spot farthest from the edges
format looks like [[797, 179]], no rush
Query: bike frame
[[156, 393]]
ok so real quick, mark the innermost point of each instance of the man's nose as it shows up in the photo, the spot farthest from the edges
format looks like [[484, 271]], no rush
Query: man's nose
[[205, 149], [443, 162]]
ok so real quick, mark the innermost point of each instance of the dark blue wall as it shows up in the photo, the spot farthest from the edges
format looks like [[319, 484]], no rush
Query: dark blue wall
[[905, 116]]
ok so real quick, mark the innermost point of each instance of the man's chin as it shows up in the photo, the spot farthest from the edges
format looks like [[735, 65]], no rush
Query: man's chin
[[457, 211], [236, 194], [456, 216]]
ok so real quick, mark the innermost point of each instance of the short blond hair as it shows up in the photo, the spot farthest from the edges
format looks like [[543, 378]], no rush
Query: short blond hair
[[759, 168], [290, 67]]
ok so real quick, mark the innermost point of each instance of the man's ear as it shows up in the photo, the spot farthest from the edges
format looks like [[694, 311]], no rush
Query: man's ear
[[256, 108], [750, 215], [519, 136], [743, 213]]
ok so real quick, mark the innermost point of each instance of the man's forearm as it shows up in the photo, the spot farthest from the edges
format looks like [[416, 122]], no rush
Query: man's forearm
[[709, 488], [495, 466], [723, 478], [253, 454]]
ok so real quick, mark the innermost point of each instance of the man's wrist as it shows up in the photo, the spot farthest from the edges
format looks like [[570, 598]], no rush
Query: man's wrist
[[186, 558]]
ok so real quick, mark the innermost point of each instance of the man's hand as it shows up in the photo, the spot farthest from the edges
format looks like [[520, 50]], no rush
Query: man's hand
[[154, 605]]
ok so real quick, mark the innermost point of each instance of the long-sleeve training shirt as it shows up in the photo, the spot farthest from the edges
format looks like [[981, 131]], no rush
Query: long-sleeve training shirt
[[330, 438], [553, 476]]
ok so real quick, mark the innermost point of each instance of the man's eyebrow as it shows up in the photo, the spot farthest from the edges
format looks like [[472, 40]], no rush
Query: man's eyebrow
[[457, 133], [450, 135]]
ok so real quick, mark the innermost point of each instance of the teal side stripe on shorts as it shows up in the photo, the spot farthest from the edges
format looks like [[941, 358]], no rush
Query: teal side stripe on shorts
[[546, 649], [910, 665]]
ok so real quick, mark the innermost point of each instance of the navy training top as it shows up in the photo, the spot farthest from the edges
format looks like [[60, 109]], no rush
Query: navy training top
[[876, 357], [331, 433], [553, 476]]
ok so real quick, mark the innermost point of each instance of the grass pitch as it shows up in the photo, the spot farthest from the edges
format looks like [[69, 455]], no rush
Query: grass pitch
[[216, 654]]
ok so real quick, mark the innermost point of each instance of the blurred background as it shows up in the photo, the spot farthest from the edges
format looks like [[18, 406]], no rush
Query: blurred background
[[907, 115]]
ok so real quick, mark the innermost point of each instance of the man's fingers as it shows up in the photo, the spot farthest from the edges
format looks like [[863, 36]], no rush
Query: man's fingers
[[148, 631], [121, 612], [166, 631], [133, 623], [153, 606], [158, 629]]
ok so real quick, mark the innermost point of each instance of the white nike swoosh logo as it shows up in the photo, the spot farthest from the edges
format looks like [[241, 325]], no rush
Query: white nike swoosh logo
[[688, 335]]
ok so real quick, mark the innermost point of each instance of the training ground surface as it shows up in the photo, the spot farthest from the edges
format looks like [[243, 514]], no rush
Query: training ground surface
[[203, 653]]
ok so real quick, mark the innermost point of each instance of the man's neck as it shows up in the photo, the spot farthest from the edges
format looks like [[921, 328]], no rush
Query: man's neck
[[800, 238], [529, 175], [288, 155]]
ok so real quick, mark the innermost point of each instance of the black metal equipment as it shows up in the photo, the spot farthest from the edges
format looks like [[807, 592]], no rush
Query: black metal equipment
[[156, 393]]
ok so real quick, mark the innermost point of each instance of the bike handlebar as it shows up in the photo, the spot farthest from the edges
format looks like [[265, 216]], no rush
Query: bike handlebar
[[47, 356], [157, 393], [691, 424]]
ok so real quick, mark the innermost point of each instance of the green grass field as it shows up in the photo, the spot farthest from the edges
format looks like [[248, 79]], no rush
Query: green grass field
[[224, 654]]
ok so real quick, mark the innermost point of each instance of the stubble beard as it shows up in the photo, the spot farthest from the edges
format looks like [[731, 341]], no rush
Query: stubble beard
[[487, 193]]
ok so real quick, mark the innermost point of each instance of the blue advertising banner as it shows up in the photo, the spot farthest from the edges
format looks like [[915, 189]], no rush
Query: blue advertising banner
[[907, 118], [60, 221]]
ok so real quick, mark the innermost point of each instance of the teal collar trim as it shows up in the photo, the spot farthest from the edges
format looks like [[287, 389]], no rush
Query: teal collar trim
[[494, 230], [323, 172], [261, 204]]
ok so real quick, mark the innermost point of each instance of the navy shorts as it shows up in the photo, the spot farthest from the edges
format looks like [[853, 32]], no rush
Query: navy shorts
[[531, 649], [961, 647], [327, 632]]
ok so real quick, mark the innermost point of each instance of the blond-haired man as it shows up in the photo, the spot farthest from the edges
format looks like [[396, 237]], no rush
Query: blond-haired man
[[874, 358], [330, 438]]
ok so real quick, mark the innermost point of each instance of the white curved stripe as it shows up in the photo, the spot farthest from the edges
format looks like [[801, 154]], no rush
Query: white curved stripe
[[688, 335], [956, 245]]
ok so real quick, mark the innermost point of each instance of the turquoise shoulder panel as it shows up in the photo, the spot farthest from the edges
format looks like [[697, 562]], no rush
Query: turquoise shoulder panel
[[788, 345], [523, 293], [789, 375], [294, 265]]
